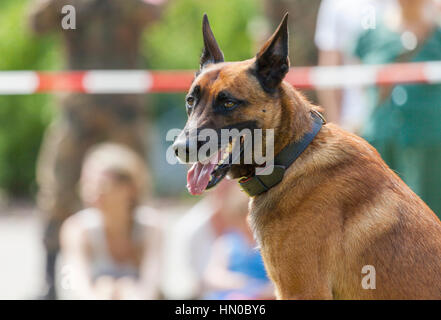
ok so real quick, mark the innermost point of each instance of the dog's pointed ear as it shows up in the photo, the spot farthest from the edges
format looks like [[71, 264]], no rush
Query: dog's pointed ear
[[211, 52], [272, 61]]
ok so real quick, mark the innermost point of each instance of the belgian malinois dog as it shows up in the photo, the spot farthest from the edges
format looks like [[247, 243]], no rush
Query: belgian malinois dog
[[333, 213]]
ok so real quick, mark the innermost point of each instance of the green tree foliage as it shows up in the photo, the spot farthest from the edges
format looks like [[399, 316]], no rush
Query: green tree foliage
[[176, 41], [22, 118]]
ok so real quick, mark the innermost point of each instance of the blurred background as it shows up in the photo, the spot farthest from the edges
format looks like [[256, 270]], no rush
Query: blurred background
[[62, 153]]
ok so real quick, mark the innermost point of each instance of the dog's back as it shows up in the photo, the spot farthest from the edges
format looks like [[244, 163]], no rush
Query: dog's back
[[339, 209]]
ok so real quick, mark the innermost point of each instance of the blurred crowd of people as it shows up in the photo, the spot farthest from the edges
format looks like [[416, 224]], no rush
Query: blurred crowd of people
[[93, 178]]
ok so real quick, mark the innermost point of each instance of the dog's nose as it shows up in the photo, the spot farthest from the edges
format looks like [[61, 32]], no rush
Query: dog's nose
[[182, 148], [187, 146]]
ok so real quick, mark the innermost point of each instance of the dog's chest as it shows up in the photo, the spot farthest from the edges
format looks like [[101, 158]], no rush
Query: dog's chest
[[263, 214], [271, 225]]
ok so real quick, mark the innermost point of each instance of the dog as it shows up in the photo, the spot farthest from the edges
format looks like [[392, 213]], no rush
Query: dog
[[333, 213]]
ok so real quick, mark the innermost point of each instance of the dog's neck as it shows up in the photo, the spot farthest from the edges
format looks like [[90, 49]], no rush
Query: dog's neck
[[291, 125], [295, 120]]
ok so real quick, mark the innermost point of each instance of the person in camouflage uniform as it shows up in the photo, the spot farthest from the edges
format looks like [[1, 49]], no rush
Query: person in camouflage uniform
[[107, 36]]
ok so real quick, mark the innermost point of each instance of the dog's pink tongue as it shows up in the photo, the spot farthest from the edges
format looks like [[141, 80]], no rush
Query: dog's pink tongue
[[198, 177]]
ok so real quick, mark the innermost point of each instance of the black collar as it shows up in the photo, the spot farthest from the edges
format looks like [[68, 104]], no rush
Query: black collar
[[258, 184]]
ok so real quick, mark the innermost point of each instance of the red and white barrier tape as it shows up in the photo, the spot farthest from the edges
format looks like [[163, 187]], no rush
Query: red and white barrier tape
[[140, 81]]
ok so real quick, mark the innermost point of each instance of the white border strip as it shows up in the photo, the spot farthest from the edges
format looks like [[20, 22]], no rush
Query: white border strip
[[346, 76], [18, 82], [432, 71], [123, 81]]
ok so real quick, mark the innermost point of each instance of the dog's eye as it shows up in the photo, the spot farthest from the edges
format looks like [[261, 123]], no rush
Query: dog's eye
[[229, 104], [190, 101]]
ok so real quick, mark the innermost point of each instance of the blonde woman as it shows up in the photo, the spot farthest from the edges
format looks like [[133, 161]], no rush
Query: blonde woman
[[111, 250]]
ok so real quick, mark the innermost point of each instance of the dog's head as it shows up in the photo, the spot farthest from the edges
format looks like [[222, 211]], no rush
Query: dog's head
[[227, 95]]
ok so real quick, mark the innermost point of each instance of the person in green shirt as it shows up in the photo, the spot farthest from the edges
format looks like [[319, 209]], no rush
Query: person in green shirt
[[405, 123]]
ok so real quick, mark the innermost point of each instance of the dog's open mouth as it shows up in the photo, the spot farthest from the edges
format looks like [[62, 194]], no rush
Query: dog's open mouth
[[207, 174]]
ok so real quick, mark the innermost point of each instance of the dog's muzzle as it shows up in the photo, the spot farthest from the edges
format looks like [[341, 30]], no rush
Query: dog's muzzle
[[188, 144], [210, 154]]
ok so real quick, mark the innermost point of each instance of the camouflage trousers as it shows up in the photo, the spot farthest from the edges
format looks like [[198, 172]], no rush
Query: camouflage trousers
[[84, 121]]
